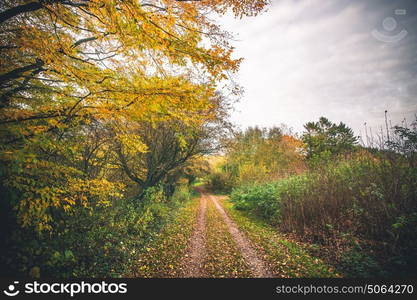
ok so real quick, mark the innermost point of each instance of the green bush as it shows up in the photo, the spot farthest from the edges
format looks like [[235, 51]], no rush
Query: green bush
[[99, 242], [370, 197], [220, 182], [355, 263], [263, 199], [181, 194]]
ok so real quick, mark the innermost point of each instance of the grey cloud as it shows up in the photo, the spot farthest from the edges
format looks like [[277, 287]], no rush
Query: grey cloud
[[308, 58]]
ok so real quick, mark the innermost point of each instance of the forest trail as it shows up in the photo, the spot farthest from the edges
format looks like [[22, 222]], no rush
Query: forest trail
[[256, 265], [194, 262], [209, 238]]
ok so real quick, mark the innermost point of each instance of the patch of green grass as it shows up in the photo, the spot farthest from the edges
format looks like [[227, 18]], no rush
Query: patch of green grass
[[223, 257], [163, 256], [198, 183], [287, 258]]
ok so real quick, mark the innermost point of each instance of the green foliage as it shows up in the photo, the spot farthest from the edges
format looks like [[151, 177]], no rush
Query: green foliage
[[100, 242], [355, 263], [371, 197], [220, 182], [404, 141], [286, 258], [319, 160], [259, 198], [258, 155], [85, 108], [325, 136], [181, 194]]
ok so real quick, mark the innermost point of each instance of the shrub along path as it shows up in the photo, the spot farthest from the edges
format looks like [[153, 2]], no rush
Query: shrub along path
[[211, 239]]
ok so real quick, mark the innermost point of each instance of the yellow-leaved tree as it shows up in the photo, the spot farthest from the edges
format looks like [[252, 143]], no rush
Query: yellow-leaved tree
[[72, 68]]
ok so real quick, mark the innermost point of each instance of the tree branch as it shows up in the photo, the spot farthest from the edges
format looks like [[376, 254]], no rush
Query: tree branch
[[17, 10], [17, 72]]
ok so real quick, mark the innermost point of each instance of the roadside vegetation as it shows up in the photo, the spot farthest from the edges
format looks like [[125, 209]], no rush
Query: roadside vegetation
[[287, 258], [104, 242], [355, 206], [163, 256]]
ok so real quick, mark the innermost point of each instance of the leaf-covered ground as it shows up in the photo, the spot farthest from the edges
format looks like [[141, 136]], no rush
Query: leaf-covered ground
[[163, 256], [223, 258]]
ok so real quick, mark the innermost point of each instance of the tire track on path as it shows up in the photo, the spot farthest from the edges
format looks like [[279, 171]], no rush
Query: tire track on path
[[194, 260], [257, 266]]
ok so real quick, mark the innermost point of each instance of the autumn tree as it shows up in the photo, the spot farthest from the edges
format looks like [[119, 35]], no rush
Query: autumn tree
[[165, 148], [260, 154], [70, 69]]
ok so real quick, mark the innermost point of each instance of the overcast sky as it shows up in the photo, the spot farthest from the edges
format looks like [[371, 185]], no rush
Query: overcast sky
[[343, 59]]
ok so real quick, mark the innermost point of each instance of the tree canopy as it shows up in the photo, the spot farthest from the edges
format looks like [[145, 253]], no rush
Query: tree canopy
[[325, 136], [259, 154], [79, 75]]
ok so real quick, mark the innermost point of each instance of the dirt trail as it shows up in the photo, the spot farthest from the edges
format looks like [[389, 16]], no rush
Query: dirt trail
[[258, 267], [195, 259], [194, 262]]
